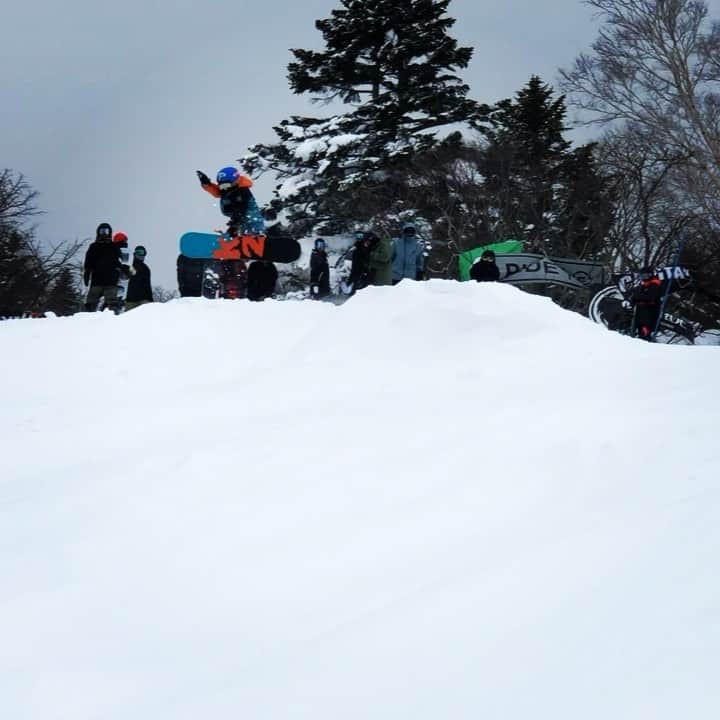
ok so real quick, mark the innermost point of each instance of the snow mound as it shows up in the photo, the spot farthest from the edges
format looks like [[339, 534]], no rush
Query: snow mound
[[437, 500]]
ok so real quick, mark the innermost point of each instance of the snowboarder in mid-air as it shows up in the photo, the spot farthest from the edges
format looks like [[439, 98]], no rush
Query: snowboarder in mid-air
[[237, 202]]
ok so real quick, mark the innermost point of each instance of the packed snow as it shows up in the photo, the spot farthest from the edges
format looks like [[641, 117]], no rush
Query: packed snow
[[438, 500]]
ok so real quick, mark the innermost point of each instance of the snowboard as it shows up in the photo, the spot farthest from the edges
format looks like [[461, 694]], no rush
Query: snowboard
[[245, 247], [123, 280]]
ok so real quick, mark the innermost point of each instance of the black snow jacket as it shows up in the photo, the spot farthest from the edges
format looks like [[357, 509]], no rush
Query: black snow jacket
[[234, 203], [190, 276], [139, 286], [102, 264], [261, 280], [485, 271], [360, 267], [319, 273], [648, 292]]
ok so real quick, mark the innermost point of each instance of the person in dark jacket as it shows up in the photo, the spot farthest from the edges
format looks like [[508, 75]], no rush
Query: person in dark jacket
[[190, 273], [101, 270], [319, 271], [262, 277], [237, 202], [646, 297], [139, 289], [485, 269], [360, 272]]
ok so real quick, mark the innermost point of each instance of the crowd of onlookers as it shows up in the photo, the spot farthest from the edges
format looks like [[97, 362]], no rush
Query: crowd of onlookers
[[118, 282], [374, 261], [114, 282], [385, 261]]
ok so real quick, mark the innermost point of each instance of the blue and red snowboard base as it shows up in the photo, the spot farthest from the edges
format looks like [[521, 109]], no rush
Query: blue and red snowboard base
[[216, 246]]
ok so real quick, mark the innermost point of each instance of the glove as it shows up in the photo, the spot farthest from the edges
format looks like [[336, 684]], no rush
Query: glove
[[419, 275], [204, 179]]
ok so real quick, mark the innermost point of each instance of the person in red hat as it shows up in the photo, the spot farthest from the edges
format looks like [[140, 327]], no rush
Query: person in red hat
[[647, 298]]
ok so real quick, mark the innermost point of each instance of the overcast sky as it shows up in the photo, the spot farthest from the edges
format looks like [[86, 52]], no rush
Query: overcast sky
[[108, 108]]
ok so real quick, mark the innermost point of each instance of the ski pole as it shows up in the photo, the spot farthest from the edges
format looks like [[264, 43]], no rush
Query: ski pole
[[676, 260]]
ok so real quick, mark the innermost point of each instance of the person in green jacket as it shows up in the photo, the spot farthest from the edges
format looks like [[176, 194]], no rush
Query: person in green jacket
[[381, 263]]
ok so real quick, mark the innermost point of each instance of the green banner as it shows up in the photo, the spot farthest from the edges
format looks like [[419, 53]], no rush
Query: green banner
[[466, 259]]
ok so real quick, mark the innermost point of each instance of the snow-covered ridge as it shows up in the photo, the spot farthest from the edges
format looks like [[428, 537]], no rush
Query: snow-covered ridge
[[438, 500]]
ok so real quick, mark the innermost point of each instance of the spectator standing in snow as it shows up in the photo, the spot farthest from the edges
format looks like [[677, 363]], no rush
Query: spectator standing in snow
[[381, 262], [365, 243], [485, 269], [408, 259], [139, 289], [646, 297], [190, 276], [101, 270], [319, 271], [261, 280]]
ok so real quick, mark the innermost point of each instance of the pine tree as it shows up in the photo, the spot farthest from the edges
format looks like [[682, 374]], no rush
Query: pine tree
[[20, 274], [539, 189], [394, 63], [64, 296], [29, 272], [396, 55]]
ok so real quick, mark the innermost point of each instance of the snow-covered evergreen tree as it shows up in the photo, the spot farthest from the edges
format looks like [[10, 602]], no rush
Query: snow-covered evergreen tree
[[537, 187], [394, 64]]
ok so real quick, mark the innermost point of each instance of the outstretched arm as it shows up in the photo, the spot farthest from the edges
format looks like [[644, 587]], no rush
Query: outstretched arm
[[207, 185]]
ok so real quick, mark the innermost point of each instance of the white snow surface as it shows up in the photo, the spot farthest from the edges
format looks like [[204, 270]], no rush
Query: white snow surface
[[439, 500]]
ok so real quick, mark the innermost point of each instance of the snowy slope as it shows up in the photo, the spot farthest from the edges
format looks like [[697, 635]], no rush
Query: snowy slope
[[438, 500]]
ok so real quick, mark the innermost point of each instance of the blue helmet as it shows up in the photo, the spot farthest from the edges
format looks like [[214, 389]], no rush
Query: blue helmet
[[228, 175]]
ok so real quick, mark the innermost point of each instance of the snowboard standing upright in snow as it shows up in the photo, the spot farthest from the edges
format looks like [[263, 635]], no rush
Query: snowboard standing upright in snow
[[126, 271]]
